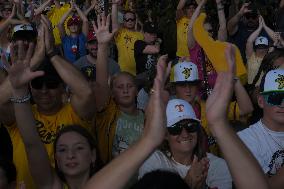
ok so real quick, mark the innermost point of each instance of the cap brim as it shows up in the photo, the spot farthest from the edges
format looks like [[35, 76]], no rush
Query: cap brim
[[196, 82]]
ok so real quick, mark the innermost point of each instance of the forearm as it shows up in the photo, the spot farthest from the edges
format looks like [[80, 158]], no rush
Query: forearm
[[222, 32], [5, 25], [102, 76], [71, 76], [36, 153], [270, 33], [114, 16], [243, 99], [233, 24], [241, 162], [42, 7], [118, 172]]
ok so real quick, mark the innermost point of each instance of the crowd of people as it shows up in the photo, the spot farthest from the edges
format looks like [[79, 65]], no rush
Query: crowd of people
[[141, 94]]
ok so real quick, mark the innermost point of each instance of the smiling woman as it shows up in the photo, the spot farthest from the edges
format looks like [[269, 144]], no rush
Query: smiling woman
[[184, 153]]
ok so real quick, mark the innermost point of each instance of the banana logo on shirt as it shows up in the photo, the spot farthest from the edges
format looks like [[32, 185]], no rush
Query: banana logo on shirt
[[280, 81], [186, 72]]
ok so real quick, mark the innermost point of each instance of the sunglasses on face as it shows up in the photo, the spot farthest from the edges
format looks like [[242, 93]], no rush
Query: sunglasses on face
[[129, 19], [190, 127], [39, 83], [274, 99]]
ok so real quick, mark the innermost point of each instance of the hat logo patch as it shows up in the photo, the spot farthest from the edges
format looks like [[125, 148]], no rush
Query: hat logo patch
[[179, 107], [186, 72], [89, 72], [280, 81], [24, 27]]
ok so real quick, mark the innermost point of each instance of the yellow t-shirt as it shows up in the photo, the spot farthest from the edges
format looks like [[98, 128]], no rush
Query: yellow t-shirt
[[54, 15], [48, 127], [182, 28], [105, 127], [125, 40], [233, 114]]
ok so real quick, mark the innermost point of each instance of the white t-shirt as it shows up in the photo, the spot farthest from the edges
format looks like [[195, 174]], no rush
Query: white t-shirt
[[266, 146], [218, 173]]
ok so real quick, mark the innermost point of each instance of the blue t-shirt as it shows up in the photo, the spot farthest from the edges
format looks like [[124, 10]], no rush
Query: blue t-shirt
[[74, 48]]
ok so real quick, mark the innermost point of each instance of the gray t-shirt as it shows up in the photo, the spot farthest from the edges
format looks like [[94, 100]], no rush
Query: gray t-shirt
[[113, 66]]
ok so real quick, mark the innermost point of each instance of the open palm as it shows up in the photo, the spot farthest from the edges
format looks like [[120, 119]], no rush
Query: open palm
[[19, 72], [102, 29]]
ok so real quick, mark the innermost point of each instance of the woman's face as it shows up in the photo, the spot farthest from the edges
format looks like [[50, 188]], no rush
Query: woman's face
[[184, 143], [73, 154], [124, 90]]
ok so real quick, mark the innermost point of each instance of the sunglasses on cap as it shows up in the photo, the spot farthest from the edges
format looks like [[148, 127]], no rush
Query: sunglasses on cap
[[190, 127], [38, 83], [129, 19], [274, 99]]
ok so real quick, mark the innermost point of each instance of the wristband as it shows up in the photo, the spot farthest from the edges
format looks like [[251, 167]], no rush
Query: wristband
[[23, 99], [51, 54], [220, 8]]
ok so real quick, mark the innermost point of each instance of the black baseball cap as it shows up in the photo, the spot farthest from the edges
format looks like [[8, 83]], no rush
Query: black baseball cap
[[150, 27]]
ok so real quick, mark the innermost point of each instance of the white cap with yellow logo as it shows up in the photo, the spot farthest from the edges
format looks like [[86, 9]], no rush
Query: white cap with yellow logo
[[184, 72]]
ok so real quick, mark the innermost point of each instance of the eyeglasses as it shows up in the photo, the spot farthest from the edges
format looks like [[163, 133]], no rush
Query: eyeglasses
[[129, 19], [38, 83], [274, 99], [190, 127], [251, 16]]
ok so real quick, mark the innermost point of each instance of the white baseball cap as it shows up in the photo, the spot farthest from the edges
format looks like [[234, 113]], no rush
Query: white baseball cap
[[273, 81], [184, 72], [261, 42], [177, 110]]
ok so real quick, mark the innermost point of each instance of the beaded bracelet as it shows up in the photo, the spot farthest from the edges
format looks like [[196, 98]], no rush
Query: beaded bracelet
[[21, 100]]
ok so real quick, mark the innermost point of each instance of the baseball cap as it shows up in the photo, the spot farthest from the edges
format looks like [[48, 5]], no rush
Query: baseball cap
[[184, 72], [24, 32], [150, 27], [261, 42], [89, 72], [273, 81], [177, 110], [91, 36], [74, 20]]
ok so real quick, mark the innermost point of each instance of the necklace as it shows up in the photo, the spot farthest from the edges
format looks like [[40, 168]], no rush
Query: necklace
[[267, 131]]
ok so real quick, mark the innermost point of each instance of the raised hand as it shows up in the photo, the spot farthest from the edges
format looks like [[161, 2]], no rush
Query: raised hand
[[197, 174], [156, 110], [102, 29], [245, 9], [48, 35], [217, 102], [19, 70]]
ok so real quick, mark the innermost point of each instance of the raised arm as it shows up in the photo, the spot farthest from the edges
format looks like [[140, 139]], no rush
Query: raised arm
[[60, 25], [42, 7], [114, 15], [222, 31], [243, 99], [252, 38], [118, 172], [269, 31], [104, 37], [179, 11], [11, 20], [82, 95], [20, 75], [233, 22], [190, 38], [85, 24], [244, 168], [91, 7]]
